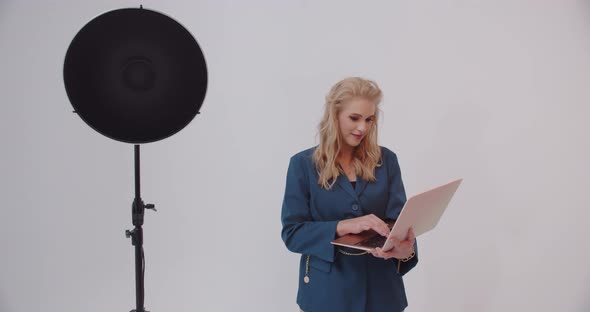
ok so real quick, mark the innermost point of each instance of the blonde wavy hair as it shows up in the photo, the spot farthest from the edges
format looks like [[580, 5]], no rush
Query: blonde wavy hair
[[367, 155]]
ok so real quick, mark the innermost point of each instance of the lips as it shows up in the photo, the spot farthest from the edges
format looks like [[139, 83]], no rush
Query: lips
[[357, 136]]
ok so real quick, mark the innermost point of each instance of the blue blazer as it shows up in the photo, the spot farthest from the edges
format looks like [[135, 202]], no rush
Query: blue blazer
[[338, 282]]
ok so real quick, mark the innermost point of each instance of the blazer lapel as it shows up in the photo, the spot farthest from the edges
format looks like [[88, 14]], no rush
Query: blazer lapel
[[342, 182], [360, 186]]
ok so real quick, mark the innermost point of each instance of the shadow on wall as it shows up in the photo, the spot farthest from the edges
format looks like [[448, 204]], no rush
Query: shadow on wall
[[461, 137], [3, 8], [584, 306], [3, 308]]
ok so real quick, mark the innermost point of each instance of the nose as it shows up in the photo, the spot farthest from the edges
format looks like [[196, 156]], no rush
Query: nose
[[362, 127]]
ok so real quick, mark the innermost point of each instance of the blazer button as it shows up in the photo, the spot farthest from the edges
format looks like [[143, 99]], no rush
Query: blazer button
[[355, 207]]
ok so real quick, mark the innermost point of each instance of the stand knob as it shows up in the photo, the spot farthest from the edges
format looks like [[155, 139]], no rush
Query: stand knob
[[151, 206]]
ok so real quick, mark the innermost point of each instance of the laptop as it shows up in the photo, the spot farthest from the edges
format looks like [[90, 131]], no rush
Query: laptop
[[421, 212]]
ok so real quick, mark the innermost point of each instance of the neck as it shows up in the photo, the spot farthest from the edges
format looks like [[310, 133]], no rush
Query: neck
[[345, 155]]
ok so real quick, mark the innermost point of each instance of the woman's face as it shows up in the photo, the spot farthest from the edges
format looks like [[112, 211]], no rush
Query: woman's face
[[355, 119]]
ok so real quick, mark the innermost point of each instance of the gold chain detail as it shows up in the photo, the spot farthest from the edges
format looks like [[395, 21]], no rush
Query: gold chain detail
[[409, 257], [352, 254], [306, 277], [399, 261]]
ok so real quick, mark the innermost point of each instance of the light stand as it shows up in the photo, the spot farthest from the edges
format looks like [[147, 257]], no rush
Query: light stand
[[137, 212]]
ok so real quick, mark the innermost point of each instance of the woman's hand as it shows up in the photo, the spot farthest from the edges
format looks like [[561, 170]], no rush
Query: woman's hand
[[361, 224], [401, 249]]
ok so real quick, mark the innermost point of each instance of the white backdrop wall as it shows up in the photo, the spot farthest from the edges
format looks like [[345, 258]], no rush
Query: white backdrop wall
[[492, 91]]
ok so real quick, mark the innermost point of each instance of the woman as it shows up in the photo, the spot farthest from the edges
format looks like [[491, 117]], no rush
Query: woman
[[346, 184]]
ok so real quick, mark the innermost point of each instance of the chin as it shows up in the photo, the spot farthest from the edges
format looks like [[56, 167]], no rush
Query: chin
[[354, 144]]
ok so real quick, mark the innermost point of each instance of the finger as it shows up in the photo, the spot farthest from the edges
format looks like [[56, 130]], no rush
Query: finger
[[380, 226], [393, 253], [387, 254], [374, 219], [406, 251], [378, 220], [365, 226], [406, 245], [396, 242], [372, 252], [411, 235], [375, 226], [409, 243], [379, 253], [383, 230]]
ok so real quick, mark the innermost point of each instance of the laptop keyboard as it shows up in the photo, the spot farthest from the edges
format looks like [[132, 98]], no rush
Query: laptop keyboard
[[374, 242]]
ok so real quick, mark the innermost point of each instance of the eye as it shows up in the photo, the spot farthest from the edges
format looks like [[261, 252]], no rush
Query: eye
[[354, 118], [370, 119]]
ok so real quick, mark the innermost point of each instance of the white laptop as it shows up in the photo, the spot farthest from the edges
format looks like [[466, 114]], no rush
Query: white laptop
[[421, 212]]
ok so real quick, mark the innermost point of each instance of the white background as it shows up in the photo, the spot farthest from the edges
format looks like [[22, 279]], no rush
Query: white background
[[492, 91]]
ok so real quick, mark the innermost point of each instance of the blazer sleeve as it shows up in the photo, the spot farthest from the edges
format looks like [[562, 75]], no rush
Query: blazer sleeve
[[397, 199], [300, 232]]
